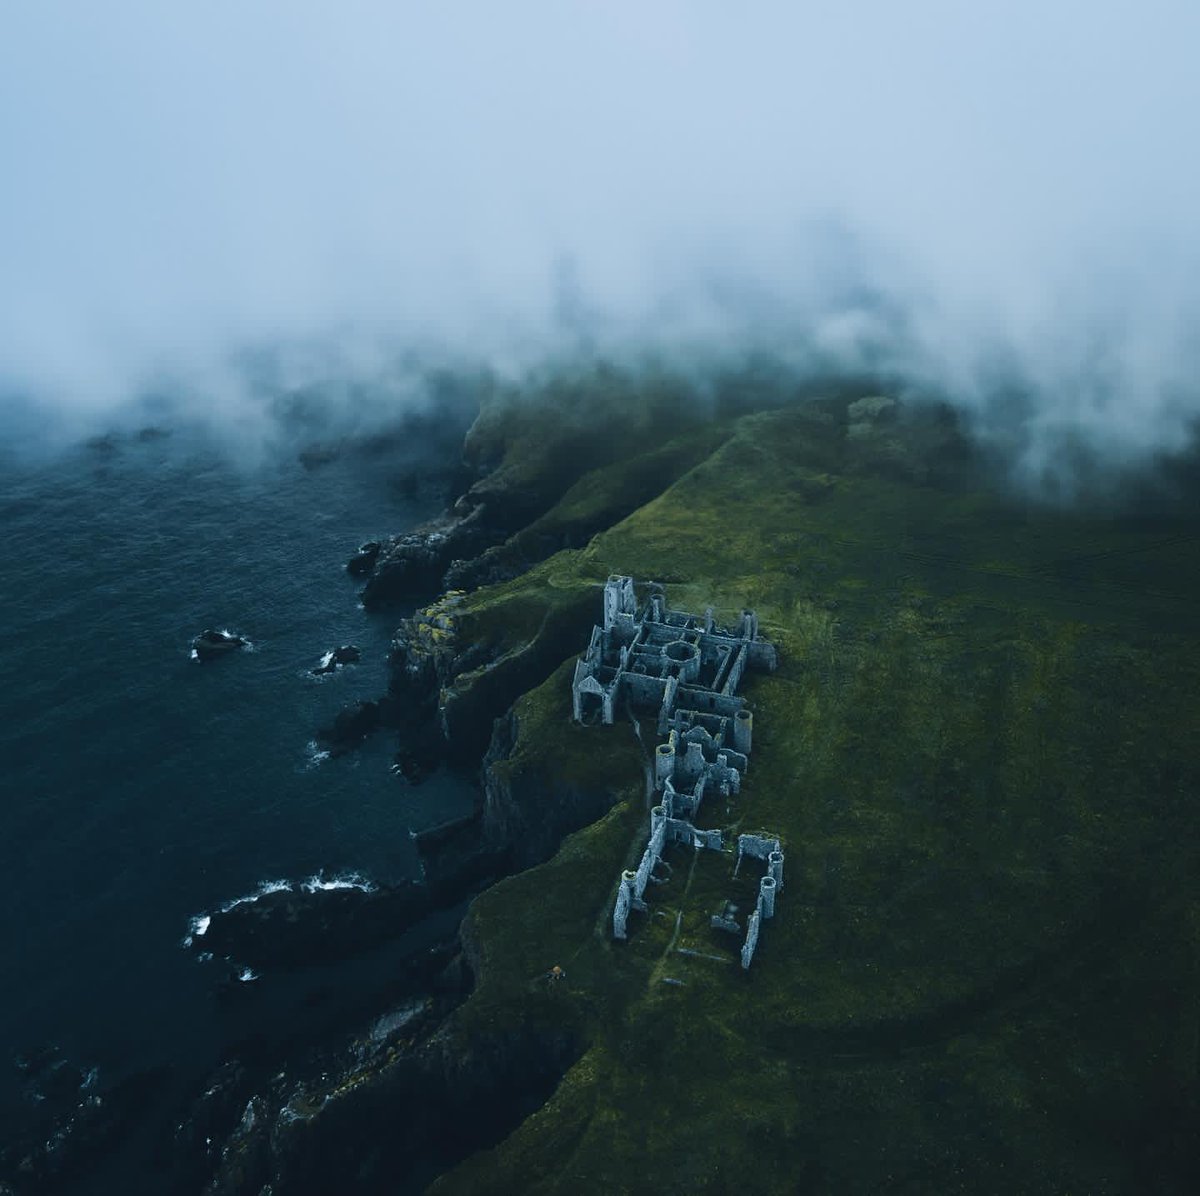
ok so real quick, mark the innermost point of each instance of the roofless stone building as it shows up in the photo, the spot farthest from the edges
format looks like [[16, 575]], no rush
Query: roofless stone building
[[684, 669]]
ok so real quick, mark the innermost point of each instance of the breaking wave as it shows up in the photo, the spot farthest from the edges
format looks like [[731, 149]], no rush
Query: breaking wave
[[341, 880], [197, 928], [265, 889], [319, 882]]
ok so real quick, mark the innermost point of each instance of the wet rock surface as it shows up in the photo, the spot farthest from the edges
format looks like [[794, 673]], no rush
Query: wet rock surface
[[76, 1119], [353, 723], [491, 567], [407, 1098], [363, 561], [336, 657], [392, 1108], [521, 821], [211, 644], [292, 928], [413, 564], [417, 758], [250, 1125]]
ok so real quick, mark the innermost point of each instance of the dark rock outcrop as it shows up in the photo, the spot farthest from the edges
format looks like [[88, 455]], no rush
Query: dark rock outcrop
[[335, 657], [417, 758], [494, 566], [399, 1106], [297, 927], [462, 680], [211, 1116], [414, 563], [354, 723], [76, 1122], [458, 858], [521, 821], [211, 644], [363, 561]]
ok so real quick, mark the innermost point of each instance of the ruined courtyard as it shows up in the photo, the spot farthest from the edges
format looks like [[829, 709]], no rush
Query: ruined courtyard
[[684, 670]]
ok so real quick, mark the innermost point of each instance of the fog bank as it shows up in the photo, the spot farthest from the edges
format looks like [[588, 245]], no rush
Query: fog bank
[[992, 200]]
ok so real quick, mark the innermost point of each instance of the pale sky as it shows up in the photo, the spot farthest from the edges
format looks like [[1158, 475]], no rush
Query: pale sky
[[1019, 180]]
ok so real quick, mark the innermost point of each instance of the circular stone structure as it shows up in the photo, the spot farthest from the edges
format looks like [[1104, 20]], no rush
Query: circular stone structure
[[686, 656]]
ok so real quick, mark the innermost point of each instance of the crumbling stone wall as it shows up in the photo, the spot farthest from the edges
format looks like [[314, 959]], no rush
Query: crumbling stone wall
[[685, 670]]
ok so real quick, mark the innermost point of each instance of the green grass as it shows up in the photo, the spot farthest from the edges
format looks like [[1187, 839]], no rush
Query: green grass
[[540, 438], [980, 752]]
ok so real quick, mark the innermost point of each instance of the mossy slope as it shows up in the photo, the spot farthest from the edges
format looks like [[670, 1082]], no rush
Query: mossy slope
[[984, 973]]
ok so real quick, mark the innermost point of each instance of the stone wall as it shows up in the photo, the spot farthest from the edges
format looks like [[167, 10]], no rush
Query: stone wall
[[685, 670]]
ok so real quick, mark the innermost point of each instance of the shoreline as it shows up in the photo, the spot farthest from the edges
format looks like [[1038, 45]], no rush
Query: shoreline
[[950, 892]]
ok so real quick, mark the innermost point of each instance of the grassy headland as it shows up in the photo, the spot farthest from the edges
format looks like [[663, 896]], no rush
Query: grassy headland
[[980, 752]]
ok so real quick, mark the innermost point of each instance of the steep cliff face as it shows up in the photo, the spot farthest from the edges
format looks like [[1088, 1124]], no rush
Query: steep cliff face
[[444, 1078], [529, 804], [396, 1107], [428, 652], [414, 563], [550, 475], [542, 779], [463, 661], [528, 452]]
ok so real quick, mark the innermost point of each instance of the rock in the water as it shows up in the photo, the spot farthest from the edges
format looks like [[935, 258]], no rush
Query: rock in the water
[[335, 657], [296, 927], [416, 761], [363, 561], [414, 563], [351, 726], [210, 644], [410, 564]]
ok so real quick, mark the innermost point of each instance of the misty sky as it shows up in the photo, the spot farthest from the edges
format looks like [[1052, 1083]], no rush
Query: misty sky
[[1013, 183]]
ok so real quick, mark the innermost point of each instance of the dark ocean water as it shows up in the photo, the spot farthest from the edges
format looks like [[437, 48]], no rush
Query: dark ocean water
[[141, 788]]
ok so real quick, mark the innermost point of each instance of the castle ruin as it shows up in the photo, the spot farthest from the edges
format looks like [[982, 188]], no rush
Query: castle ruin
[[684, 669]]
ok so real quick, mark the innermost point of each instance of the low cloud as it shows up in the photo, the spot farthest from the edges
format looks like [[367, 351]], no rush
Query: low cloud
[[995, 202]]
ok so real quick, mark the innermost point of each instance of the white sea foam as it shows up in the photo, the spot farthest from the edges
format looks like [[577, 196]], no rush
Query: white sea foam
[[342, 880], [197, 928], [247, 974], [323, 671], [316, 755], [266, 888], [199, 924], [245, 646]]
